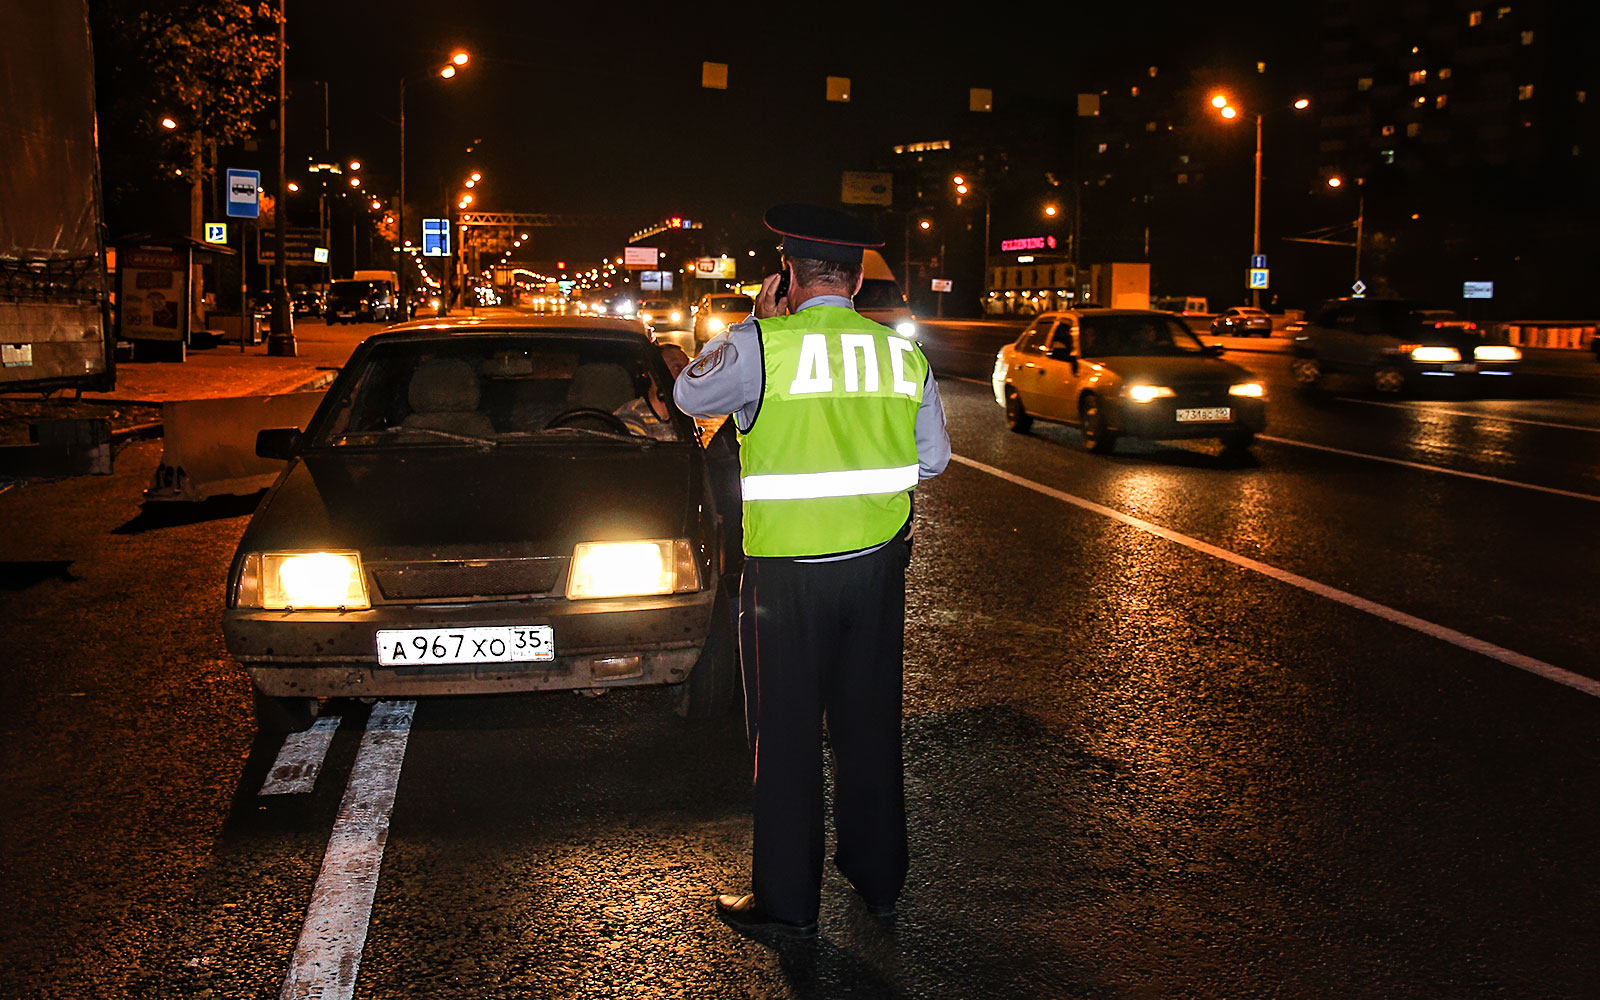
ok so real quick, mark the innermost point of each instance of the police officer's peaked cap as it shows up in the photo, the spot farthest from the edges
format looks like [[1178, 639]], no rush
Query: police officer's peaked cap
[[821, 233]]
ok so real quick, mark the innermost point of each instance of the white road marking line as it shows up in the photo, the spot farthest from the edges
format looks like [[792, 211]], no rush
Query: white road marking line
[[1431, 468], [299, 760], [1548, 671], [1416, 408], [328, 955]]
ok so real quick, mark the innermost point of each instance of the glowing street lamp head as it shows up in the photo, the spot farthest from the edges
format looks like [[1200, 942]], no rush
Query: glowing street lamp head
[[460, 58], [961, 189], [1334, 182], [1229, 113], [355, 164], [472, 184], [1050, 210], [925, 224], [448, 72], [958, 180], [168, 124], [476, 177], [1302, 104], [1219, 102], [293, 186], [355, 182]]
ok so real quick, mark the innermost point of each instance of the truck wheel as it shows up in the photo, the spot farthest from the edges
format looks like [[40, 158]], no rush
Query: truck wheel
[[709, 691], [283, 715], [1097, 437]]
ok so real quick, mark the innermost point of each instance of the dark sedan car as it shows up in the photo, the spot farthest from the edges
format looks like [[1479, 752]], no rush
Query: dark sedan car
[[1122, 372], [1397, 344], [1242, 321], [505, 505]]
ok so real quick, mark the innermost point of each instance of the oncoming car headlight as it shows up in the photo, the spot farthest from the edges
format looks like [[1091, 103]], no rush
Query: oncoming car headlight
[[676, 317], [1253, 389], [302, 580], [632, 569], [906, 329], [715, 324], [1435, 354], [1145, 393], [645, 317], [1496, 352]]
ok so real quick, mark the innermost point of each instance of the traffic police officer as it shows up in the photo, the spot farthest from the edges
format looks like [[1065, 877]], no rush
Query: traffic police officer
[[839, 418]]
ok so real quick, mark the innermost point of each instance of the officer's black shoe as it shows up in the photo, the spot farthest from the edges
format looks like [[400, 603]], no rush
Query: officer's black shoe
[[745, 914], [880, 910]]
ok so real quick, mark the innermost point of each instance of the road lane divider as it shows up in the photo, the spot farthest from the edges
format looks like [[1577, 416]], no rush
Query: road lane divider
[[1511, 658], [328, 956], [1430, 468], [299, 760], [1418, 408]]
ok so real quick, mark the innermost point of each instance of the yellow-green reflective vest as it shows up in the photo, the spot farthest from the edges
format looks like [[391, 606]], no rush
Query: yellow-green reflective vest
[[829, 463]]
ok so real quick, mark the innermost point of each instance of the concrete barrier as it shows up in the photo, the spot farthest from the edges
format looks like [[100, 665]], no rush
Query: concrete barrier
[[209, 445]]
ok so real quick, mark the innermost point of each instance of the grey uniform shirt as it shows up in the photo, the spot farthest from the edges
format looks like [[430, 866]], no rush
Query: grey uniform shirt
[[727, 375]]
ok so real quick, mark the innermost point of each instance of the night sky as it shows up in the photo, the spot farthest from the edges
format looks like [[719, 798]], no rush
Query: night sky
[[584, 108]]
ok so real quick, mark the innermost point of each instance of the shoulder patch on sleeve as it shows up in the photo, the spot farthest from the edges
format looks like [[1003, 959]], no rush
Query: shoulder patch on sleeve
[[705, 364]]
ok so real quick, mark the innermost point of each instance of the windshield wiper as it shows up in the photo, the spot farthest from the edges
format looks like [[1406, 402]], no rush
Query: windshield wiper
[[612, 435], [435, 432]]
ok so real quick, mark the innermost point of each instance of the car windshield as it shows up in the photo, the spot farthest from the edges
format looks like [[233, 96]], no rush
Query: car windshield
[[731, 303], [351, 289], [485, 390], [1140, 334], [655, 305], [879, 293]]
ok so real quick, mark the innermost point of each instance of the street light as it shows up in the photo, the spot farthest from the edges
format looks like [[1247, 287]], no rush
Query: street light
[[168, 124], [457, 59], [1228, 111]]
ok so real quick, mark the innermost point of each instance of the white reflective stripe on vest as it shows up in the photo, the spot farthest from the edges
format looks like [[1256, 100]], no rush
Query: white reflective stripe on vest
[[815, 485]]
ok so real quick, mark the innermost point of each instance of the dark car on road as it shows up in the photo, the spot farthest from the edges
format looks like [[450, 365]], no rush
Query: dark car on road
[[307, 301], [1394, 344], [361, 301], [1242, 321], [1124, 372], [507, 505]]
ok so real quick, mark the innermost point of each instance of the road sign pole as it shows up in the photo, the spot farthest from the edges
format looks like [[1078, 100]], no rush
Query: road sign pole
[[280, 343]]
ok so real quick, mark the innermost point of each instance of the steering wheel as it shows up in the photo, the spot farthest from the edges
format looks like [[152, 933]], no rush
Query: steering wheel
[[565, 417]]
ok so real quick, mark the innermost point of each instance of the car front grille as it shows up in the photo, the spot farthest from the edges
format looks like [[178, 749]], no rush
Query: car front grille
[[1201, 395], [464, 579]]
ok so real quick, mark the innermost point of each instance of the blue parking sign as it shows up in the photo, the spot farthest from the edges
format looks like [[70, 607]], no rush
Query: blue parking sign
[[1258, 277]]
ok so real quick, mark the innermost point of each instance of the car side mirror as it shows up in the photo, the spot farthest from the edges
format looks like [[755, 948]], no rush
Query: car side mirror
[[277, 442]]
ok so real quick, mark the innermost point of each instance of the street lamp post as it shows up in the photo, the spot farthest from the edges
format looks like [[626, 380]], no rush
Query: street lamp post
[[447, 72], [1220, 102], [280, 341]]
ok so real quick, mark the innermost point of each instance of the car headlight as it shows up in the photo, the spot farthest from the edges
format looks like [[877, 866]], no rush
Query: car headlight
[[906, 329], [1145, 393], [1496, 352], [302, 580], [1434, 354], [677, 317], [714, 324], [645, 317], [632, 569], [1253, 389]]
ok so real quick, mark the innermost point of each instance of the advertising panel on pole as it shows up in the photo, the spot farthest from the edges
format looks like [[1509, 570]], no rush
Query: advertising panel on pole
[[1477, 289], [153, 294], [304, 242], [942, 284], [714, 267], [640, 258], [655, 281], [867, 187]]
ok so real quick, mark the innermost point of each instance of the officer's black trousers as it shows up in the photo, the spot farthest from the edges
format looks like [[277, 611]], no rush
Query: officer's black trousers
[[823, 642]]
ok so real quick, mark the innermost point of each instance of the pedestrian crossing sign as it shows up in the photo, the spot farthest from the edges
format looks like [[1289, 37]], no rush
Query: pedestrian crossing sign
[[1258, 277]]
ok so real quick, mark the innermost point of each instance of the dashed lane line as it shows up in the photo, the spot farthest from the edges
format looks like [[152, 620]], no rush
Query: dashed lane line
[[1510, 658], [299, 760], [328, 956], [1431, 468], [1416, 408]]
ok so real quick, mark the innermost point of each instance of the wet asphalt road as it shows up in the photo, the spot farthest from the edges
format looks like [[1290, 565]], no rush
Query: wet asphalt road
[[1134, 769]]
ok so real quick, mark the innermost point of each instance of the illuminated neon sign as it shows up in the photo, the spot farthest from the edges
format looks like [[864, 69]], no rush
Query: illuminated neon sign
[[1028, 243]]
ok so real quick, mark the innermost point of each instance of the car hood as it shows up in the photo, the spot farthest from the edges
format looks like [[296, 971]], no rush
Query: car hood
[[1159, 370], [458, 502]]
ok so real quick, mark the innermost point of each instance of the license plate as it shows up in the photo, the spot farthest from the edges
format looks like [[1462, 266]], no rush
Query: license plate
[[497, 644], [1468, 367], [1204, 414]]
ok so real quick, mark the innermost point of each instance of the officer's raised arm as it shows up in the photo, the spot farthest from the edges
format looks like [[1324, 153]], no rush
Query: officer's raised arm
[[725, 377]]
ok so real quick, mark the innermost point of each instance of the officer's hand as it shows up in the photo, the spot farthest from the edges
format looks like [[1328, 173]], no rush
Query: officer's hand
[[766, 306]]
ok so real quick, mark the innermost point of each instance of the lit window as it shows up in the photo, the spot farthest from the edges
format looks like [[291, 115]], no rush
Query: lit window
[[1418, 77], [1149, 126], [1525, 92], [1414, 129], [1502, 12], [1441, 100], [1388, 130], [1102, 147], [1575, 151], [1183, 178], [1387, 156], [1421, 100], [1365, 83], [1183, 158], [1152, 72], [1583, 95], [1475, 18], [1261, 67], [1133, 92], [1527, 38], [1444, 73]]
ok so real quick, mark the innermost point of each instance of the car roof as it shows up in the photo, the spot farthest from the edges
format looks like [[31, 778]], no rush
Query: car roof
[[589, 326]]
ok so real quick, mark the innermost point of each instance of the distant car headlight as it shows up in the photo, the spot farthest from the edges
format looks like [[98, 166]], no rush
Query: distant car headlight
[[632, 569], [302, 581], [715, 325], [906, 329], [433, 303], [1253, 389], [1145, 393], [646, 317], [677, 317], [1496, 352], [1434, 354], [599, 307]]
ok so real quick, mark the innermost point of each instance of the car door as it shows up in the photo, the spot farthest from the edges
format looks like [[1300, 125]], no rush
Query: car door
[[1027, 368], [1058, 377]]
